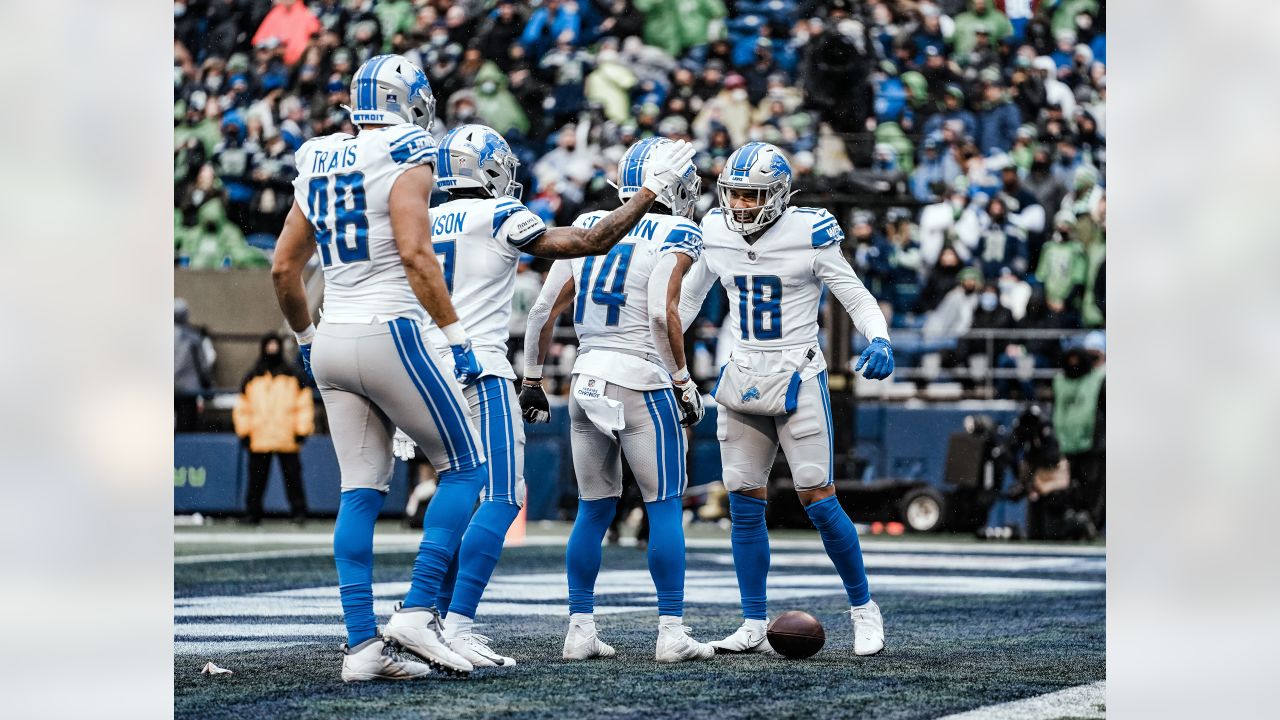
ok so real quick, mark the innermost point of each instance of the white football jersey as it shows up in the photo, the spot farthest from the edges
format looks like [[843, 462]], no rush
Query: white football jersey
[[774, 291], [344, 188], [610, 304], [477, 242]]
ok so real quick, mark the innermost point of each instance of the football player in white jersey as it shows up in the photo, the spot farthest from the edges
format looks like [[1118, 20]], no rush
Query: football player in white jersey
[[362, 202], [774, 261], [479, 236], [630, 360]]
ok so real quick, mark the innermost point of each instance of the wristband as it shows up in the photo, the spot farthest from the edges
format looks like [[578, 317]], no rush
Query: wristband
[[533, 373], [306, 336], [455, 334], [680, 376]]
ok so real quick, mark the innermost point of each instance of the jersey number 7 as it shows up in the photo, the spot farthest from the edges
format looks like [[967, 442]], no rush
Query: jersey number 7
[[618, 261], [336, 208]]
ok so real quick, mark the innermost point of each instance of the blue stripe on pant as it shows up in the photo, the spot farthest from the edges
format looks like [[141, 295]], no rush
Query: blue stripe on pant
[[831, 438], [449, 417], [499, 439], [669, 442]]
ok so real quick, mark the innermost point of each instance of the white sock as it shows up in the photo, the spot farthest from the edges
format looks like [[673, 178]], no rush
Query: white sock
[[759, 625], [458, 625], [587, 620], [670, 621]]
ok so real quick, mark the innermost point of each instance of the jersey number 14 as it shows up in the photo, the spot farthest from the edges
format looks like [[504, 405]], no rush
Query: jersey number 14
[[336, 209], [617, 262]]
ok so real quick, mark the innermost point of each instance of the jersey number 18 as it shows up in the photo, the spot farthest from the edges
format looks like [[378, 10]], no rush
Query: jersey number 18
[[760, 299]]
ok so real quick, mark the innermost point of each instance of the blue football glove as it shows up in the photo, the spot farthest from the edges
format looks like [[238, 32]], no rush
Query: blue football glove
[[465, 365], [304, 351], [878, 357]]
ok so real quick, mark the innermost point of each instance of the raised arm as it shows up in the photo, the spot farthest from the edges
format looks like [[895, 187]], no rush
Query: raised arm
[[557, 293], [668, 335], [411, 227], [830, 265], [294, 248], [570, 242]]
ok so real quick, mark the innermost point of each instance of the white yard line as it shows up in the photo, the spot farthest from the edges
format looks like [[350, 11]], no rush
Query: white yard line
[[401, 541], [1083, 701]]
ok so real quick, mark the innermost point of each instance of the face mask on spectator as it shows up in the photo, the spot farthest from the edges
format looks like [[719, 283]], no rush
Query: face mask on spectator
[[988, 301]]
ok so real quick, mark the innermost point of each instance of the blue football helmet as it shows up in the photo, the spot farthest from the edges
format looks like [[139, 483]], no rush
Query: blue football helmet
[[758, 168], [680, 198], [390, 90], [477, 156]]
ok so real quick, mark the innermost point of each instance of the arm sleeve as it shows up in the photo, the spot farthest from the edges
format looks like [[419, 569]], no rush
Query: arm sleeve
[[540, 313], [831, 267], [412, 147], [684, 238], [515, 224], [659, 284], [693, 291]]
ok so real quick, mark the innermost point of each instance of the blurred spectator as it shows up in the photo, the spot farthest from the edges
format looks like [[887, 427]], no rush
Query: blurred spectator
[[290, 24], [554, 21], [1001, 244], [730, 108], [675, 26], [954, 314], [610, 84], [499, 32], [1079, 419], [980, 16], [1062, 265], [495, 105], [273, 416], [998, 117], [192, 369]]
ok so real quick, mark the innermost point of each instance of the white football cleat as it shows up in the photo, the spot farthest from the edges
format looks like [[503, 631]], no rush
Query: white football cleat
[[676, 644], [420, 632], [374, 659], [582, 643], [475, 648], [750, 638], [868, 628]]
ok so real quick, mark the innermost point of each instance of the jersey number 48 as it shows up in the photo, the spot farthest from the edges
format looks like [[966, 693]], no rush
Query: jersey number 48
[[336, 209]]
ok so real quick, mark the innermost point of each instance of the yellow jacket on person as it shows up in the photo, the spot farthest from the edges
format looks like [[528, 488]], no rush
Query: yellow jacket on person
[[273, 412]]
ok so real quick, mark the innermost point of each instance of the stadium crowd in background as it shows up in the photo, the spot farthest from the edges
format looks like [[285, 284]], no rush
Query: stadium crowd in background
[[971, 132]]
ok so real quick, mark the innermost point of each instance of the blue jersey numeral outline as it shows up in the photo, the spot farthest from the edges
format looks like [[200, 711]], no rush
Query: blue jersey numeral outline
[[759, 297]]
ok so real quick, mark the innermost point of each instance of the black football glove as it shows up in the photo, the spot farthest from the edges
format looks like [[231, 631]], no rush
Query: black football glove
[[690, 400], [533, 403]]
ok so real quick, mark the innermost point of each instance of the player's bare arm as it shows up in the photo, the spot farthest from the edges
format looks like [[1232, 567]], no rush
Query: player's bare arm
[[294, 248], [571, 242], [668, 332], [411, 226]]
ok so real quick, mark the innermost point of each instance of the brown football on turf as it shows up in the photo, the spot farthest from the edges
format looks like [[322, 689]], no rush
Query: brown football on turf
[[796, 634]]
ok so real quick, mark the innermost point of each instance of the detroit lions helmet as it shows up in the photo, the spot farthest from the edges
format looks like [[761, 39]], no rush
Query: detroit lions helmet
[[755, 168], [390, 90], [477, 156], [632, 170]]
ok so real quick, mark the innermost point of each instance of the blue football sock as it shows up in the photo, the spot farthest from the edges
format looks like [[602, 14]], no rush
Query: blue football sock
[[582, 556], [444, 598], [478, 556], [666, 553], [840, 538], [446, 518], [353, 554], [750, 553]]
